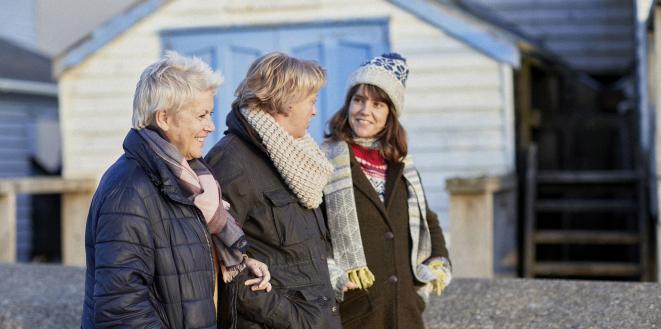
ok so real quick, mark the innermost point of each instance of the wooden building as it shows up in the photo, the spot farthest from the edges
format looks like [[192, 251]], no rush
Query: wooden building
[[29, 131], [475, 97], [460, 98], [594, 36], [589, 191]]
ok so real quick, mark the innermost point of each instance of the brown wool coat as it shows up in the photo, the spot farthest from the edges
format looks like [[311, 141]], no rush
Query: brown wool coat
[[392, 301]]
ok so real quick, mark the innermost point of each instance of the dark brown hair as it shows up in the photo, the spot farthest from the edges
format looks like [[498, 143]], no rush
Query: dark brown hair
[[393, 136]]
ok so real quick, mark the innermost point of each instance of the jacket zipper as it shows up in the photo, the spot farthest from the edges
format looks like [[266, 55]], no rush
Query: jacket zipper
[[206, 236]]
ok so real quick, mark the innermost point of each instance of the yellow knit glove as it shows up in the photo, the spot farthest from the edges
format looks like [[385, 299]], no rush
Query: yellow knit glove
[[362, 277], [441, 268]]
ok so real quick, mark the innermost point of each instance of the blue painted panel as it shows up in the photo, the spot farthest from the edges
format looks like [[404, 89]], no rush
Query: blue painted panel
[[329, 41], [314, 51], [338, 46], [228, 53]]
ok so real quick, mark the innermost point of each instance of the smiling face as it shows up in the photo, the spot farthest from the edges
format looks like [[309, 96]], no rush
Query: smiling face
[[367, 114], [187, 128], [297, 120]]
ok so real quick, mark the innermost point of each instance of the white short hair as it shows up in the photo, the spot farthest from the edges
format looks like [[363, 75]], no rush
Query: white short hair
[[169, 84]]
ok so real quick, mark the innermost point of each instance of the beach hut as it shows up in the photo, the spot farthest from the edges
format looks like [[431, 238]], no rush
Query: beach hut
[[464, 64]]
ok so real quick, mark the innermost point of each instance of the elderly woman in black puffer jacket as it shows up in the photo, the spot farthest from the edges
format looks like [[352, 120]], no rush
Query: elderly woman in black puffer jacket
[[157, 231]]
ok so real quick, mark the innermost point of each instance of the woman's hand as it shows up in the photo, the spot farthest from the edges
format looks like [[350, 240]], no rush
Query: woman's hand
[[349, 286], [263, 276]]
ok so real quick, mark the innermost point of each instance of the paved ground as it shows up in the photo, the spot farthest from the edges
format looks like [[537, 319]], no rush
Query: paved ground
[[40, 296], [518, 303], [48, 296]]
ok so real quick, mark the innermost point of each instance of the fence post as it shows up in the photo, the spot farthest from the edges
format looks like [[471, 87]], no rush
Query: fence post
[[8, 226], [482, 226], [75, 206]]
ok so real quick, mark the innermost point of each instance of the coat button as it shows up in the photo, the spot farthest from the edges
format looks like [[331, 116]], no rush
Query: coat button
[[334, 309], [324, 298], [393, 279], [389, 236]]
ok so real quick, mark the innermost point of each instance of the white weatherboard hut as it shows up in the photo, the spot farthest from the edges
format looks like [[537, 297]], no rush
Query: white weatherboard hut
[[460, 101]]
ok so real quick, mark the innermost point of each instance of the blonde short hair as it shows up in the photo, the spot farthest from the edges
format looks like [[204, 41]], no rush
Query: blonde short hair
[[169, 84], [277, 80]]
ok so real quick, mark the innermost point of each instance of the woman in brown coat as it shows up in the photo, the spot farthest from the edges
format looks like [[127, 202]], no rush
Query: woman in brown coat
[[388, 249]]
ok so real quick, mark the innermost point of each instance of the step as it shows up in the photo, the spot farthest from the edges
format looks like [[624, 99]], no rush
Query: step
[[585, 237], [585, 205], [586, 269], [587, 177]]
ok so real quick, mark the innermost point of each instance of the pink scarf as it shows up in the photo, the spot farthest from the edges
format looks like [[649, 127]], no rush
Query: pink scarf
[[196, 178]]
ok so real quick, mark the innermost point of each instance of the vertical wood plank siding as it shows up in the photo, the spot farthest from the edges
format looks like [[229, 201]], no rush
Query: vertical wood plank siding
[[14, 162]]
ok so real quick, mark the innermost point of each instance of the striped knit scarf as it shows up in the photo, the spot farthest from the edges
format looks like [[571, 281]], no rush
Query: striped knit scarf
[[348, 252], [195, 178], [300, 162]]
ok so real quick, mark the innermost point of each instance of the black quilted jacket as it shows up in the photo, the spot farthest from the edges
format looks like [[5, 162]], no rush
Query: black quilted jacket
[[148, 250]]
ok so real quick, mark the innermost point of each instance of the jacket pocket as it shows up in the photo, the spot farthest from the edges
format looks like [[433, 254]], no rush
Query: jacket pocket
[[312, 295], [289, 219], [356, 305]]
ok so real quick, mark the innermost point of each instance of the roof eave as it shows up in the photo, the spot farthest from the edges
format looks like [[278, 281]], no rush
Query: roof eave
[[28, 87], [86, 46], [498, 47]]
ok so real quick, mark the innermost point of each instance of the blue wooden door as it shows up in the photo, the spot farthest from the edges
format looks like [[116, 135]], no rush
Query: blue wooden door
[[338, 47]]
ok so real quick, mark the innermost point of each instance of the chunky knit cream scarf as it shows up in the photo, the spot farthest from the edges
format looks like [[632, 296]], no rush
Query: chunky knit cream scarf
[[300, 162]]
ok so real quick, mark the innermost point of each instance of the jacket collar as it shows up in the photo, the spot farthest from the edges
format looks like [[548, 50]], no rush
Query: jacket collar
[[239, 126], [137, 148], [393, 174], [360, 181]]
